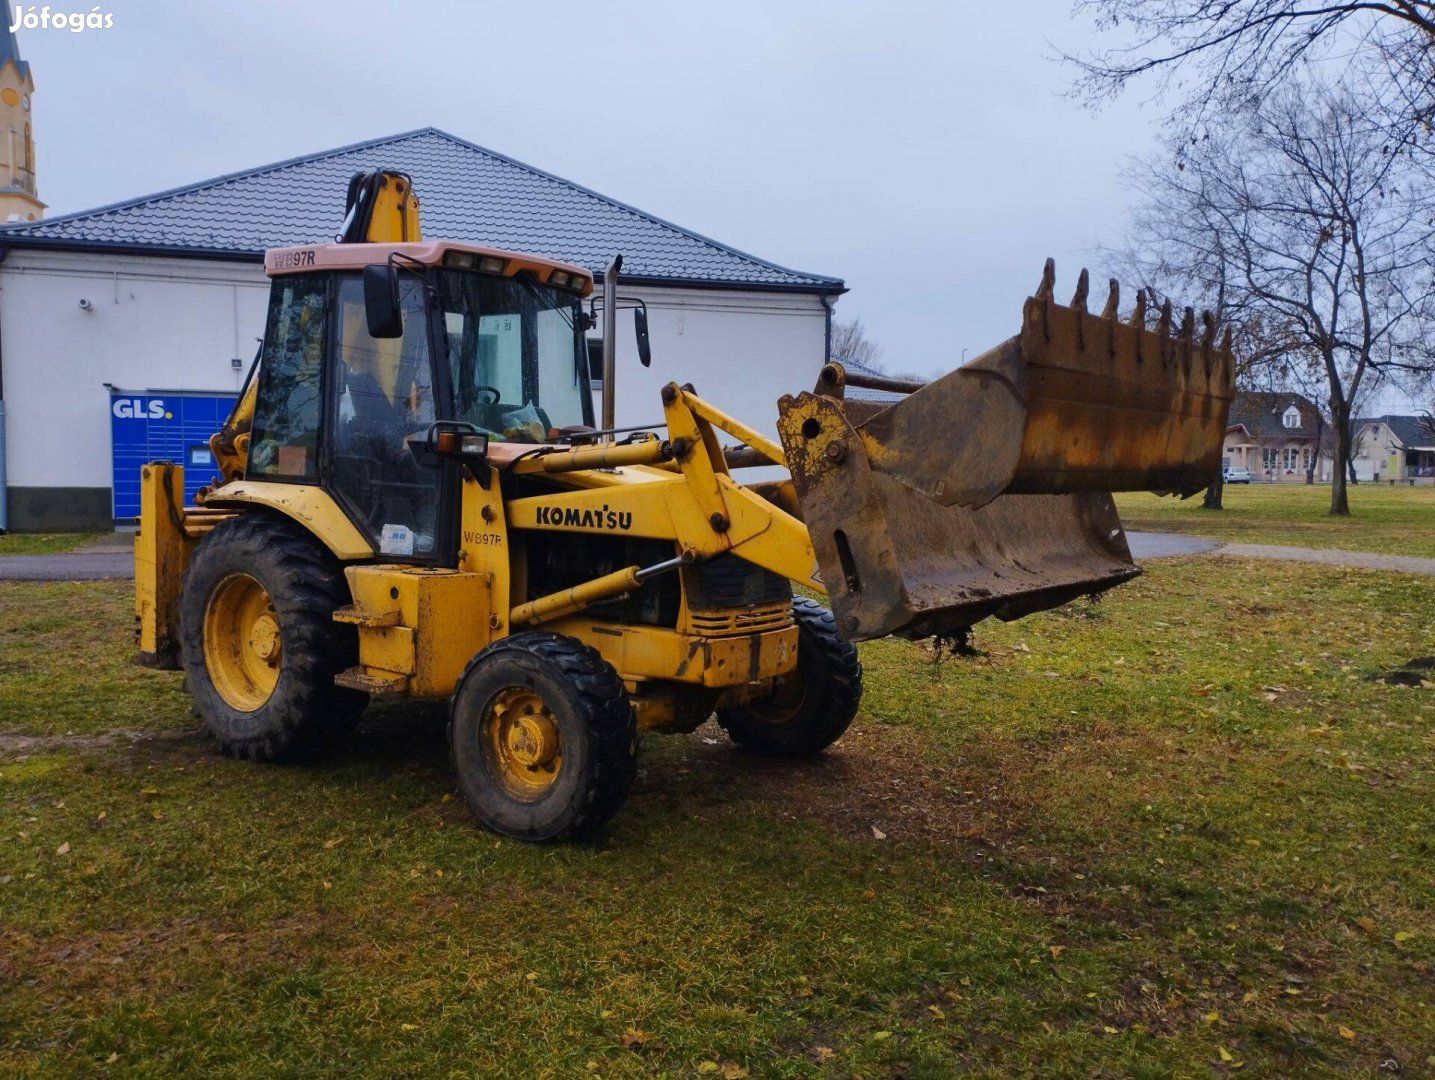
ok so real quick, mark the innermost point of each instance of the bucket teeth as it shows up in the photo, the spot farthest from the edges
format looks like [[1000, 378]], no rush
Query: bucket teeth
[[1113, 302], [1047, 289], [1083, 287]]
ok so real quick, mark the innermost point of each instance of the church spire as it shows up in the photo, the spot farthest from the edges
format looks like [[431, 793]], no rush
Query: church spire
[[18, 198], [10, 51]]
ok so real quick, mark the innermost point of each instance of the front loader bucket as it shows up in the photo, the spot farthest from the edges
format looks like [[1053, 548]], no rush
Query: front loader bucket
[[987, 492]]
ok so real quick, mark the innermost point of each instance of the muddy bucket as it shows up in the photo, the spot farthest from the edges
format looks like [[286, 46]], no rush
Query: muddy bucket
[[987, 491]]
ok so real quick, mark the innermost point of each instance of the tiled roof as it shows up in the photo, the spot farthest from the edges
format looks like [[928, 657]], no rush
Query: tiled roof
[[1409, 431], [468, 193], [1262, 413]]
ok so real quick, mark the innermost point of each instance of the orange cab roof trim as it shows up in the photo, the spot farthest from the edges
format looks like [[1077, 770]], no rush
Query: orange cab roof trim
[[297, 260]]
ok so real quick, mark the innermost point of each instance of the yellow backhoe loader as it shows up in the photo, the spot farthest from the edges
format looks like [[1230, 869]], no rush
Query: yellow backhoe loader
[[414, 498]]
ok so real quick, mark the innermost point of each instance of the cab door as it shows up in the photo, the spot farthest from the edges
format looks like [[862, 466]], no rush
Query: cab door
[[382, 403]]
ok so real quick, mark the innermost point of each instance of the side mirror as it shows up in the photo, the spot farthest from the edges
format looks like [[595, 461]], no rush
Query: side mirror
[[640, 327], [381, 301]]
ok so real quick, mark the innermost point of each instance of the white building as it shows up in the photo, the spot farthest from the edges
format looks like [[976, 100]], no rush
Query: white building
[[125, 331]]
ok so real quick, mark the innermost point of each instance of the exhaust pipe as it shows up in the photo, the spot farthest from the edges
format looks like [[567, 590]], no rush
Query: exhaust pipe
[[610, 343]]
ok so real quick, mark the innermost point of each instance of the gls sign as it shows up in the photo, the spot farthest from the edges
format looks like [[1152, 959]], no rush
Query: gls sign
[[139, 409]]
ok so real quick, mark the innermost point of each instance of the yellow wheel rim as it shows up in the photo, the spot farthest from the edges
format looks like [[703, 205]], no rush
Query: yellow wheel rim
[[521, 743], [242, 644], [788, 696]]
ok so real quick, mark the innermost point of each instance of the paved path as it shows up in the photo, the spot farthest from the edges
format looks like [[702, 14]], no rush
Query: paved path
[[112, 558], [1166, 545], [1146, 545], [108, 557]]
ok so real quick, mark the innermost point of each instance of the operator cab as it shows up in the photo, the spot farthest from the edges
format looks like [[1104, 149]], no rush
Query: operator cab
[[367, 346]]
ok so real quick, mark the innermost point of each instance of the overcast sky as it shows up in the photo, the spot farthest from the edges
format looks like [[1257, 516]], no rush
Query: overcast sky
[[922, 152]]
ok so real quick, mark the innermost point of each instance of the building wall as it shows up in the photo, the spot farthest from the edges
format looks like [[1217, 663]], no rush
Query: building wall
[[151, 324], [158, 324], [741, 351]]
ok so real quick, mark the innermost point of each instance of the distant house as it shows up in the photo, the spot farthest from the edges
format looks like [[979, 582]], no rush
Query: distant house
[[1391, 448], [1277, 436]]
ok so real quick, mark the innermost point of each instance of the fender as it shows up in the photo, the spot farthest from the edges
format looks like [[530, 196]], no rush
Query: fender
[[310, 506]]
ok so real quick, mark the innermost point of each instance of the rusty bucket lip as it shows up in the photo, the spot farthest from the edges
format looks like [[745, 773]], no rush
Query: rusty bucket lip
[[1099, 403]]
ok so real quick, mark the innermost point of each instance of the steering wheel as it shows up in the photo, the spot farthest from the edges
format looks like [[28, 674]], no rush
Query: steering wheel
[[497, 397]]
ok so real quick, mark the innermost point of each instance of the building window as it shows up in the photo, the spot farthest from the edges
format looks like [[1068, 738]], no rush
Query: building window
[[1291, 419], [1269, 455], [1292, 456]]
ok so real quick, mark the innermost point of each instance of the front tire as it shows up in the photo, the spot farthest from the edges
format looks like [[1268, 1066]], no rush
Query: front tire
[[544, 738], [812, 706], [259, 644]]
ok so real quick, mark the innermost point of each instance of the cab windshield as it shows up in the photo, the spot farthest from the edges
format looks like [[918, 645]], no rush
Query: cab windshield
[[514, 354]]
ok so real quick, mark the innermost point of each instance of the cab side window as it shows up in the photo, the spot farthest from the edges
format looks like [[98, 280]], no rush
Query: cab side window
[[285, 438]]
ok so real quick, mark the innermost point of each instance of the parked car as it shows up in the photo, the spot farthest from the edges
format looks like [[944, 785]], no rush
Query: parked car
[[1235, 475]]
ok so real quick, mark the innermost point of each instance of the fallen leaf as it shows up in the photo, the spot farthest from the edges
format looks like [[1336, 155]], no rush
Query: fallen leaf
[[158, 815], [824, 1054], [732, 1071], [878, 833], [936, 1011], [114, 1057], [1212, 1016], [333, 841], [1346, 1033], [408, 1027], [149, 791], [1110, 1030], [1021, 646], [1403, 935], [880, 1035], [869, 894], [707, 1066], [64, 849], [327, 884], [1226, 1055], [634, 1038], [1366, 923], [1056, 950]]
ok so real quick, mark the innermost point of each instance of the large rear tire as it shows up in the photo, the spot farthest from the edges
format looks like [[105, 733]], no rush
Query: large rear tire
[[259, 644], [544, 738], [812, 706]]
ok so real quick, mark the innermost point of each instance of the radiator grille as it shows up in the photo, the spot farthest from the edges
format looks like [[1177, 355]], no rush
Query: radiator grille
[[756, 619]]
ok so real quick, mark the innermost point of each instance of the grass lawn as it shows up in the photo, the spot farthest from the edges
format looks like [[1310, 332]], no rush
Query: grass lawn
[[43, 543], [1180, 833], [1391, 520]]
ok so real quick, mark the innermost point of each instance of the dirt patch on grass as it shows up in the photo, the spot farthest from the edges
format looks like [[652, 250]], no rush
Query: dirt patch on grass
[[119, 961], [16, 746]]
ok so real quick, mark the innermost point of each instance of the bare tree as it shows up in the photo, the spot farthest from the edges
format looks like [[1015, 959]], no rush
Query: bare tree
[[1230, 53], [850, 342], [1315, 230]]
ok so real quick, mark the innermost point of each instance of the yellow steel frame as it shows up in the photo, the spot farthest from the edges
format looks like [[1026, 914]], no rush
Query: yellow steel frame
[[419, 627]]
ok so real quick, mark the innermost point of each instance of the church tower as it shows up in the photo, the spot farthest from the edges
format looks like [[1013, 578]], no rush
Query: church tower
[[18, 201]]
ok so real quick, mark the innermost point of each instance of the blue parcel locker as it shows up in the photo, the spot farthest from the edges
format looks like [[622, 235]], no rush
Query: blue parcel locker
[[162, 427]]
